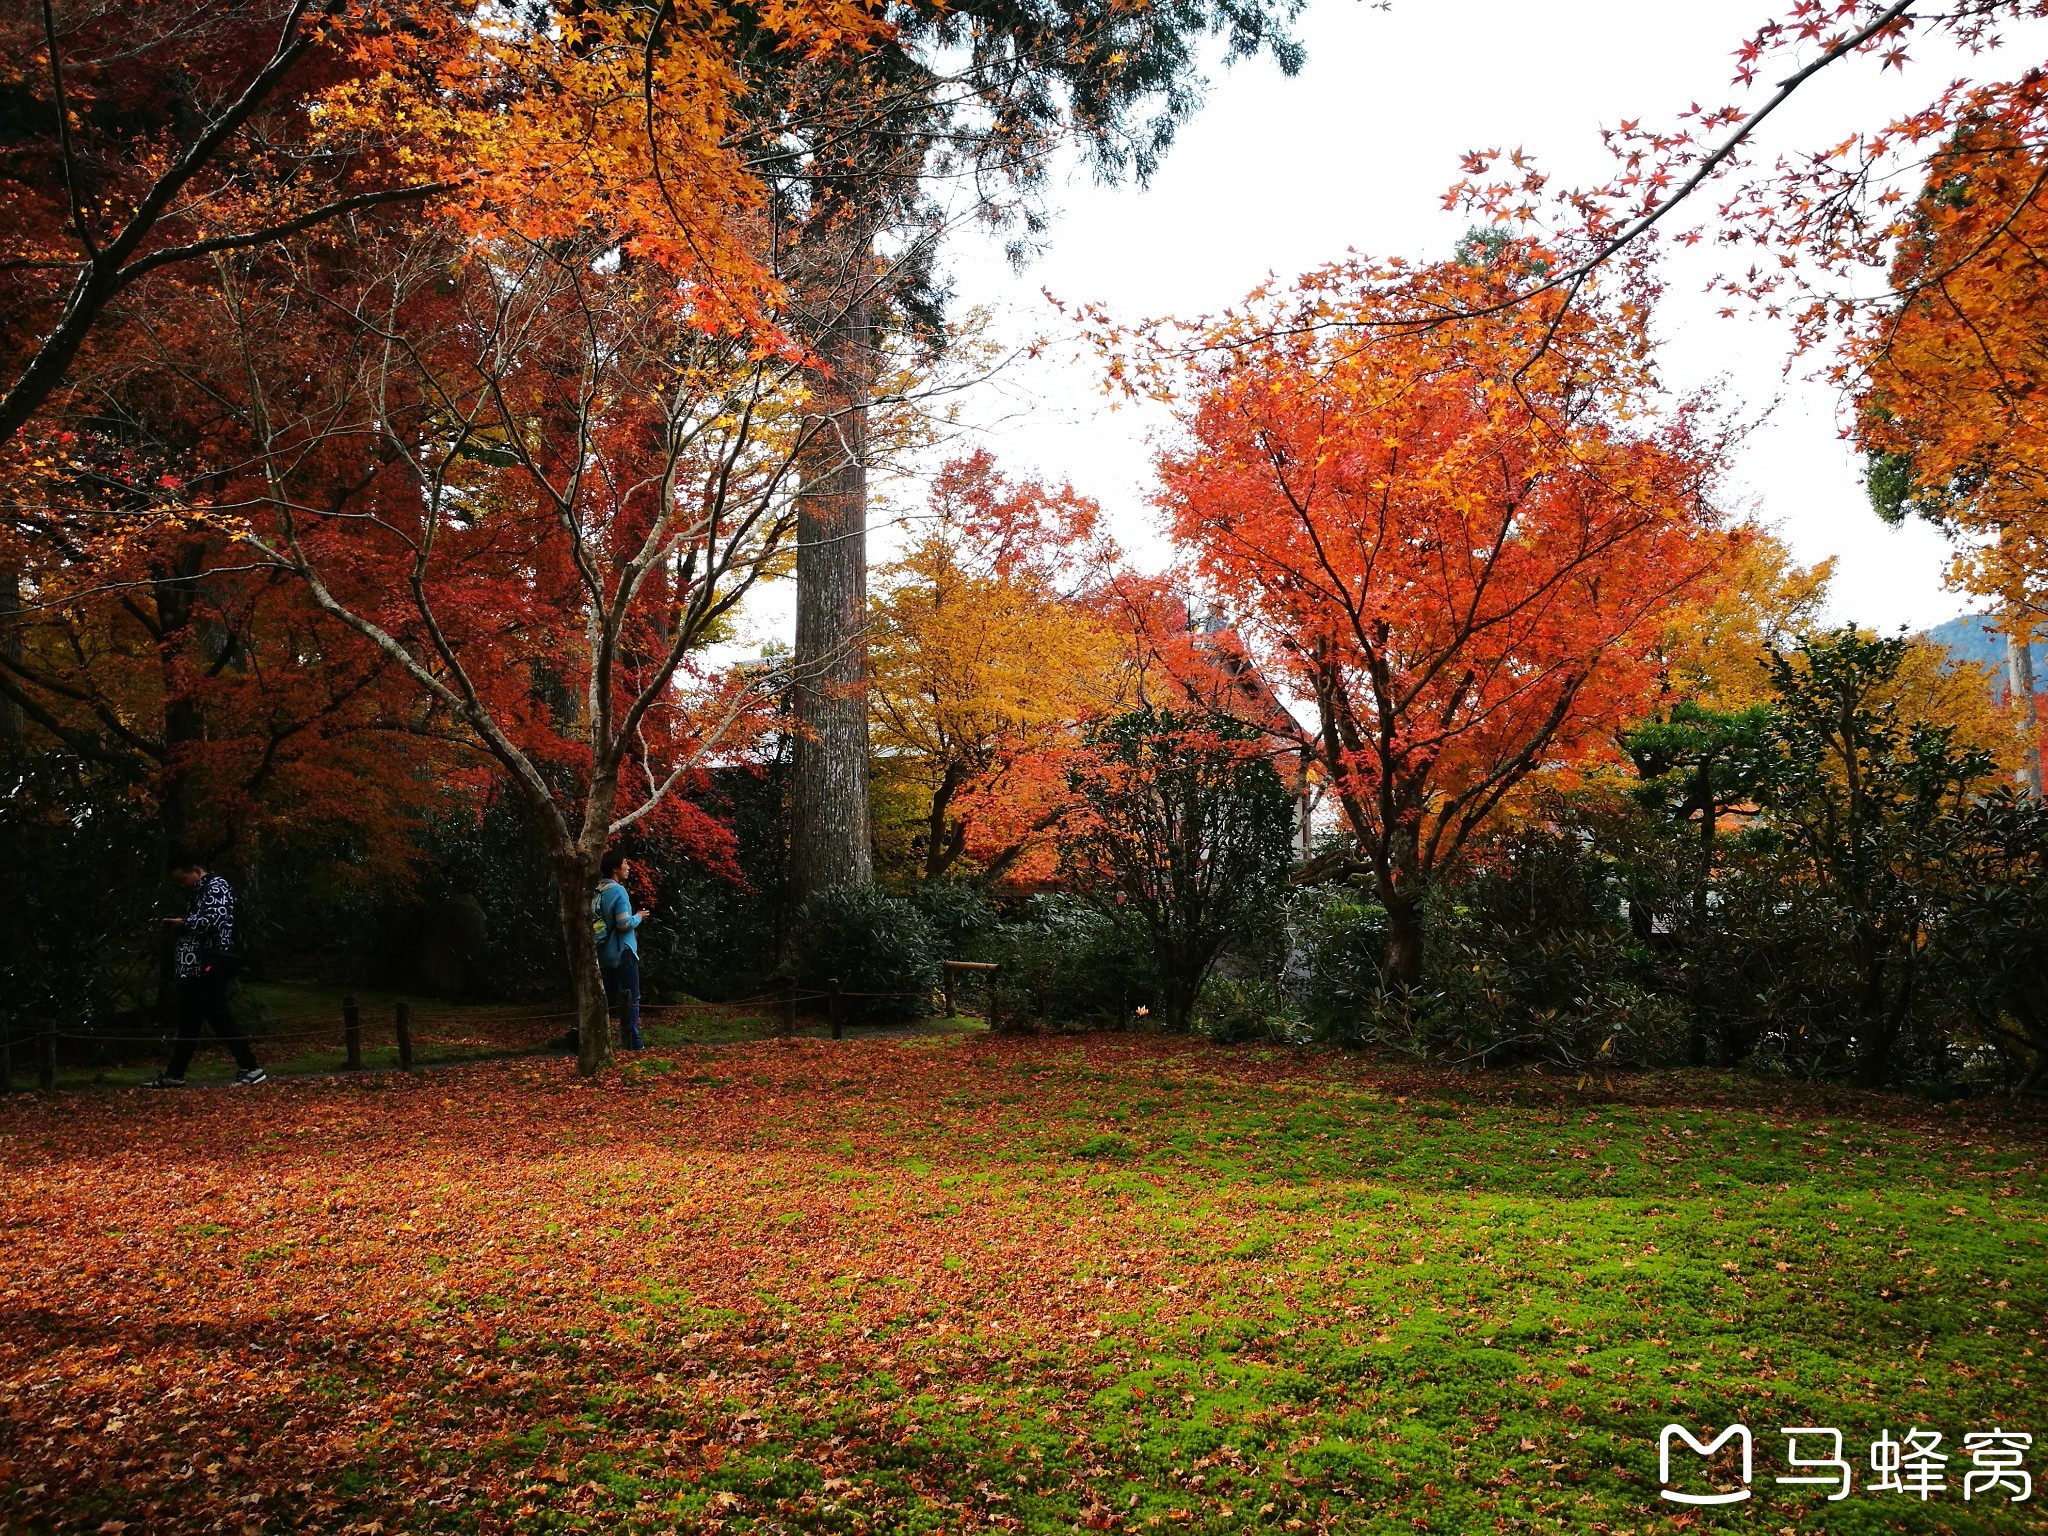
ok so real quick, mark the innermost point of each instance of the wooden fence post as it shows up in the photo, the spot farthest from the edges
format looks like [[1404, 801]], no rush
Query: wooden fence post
[[835, 1008], [6, 1052], [46, 1069], [404, 1022], [789, 1010], [988, 968], [352, 1032]]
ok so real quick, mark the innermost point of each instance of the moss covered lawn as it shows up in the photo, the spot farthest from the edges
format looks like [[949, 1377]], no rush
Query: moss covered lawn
[[964, 1283]]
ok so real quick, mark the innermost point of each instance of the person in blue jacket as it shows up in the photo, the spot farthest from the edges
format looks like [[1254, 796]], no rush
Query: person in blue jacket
[[615, 925]]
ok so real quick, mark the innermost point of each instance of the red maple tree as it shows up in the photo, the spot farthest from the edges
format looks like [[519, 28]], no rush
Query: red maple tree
[[1455, 541]]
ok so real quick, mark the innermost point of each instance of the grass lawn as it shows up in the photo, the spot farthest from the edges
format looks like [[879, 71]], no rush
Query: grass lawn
[[1103, 1283]]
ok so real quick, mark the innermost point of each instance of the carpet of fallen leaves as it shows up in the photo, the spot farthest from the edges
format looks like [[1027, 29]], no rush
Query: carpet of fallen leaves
[[1111, 1283]]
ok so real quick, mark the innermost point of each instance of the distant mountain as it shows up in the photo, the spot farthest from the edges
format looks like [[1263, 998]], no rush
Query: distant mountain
[[1971, 637]]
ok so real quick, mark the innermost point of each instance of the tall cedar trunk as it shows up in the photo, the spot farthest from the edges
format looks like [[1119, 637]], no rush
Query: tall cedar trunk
[[575, 880], [183, 726], [2019, 679], [12, 735], [829, 844]]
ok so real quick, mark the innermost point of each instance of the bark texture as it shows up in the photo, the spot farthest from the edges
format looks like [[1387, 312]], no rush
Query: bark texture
[[12, 734], [575, 880], [2019, 679], [830, 845]]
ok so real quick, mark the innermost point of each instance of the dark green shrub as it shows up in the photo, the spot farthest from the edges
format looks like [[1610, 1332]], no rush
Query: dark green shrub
[[1876, 800], [1235, 1011], [1066, 963], [1531, 957], [964, 921], [881, 949], [1339, 950], [1535, 960], [1992, 945], [83, 888], [1185, 839]]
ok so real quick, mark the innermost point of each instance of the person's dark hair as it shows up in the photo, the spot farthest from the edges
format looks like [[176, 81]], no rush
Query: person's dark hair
[[609, 864], [182, 859]]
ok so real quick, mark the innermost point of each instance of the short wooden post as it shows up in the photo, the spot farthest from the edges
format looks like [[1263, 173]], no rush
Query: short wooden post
[[46, 1069], [835, 1008], [352, 1033], [789, 1010], [979, 968], [403, 1021], [6, 1052]]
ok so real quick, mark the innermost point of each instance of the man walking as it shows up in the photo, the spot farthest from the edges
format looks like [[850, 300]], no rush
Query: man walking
[[618, 947], [205, 962]]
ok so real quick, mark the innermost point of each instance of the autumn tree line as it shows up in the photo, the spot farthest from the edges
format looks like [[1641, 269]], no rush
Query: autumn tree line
[[404, 404]]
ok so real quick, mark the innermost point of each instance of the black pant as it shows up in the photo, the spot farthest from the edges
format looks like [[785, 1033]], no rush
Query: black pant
[[622, 991], [204, 999]]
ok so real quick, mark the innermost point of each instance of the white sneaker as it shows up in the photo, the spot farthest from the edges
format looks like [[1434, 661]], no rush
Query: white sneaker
[[251, 1078], [165, 1080]]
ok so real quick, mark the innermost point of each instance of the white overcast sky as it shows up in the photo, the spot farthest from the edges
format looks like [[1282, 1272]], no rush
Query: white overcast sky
[[1274, 176]]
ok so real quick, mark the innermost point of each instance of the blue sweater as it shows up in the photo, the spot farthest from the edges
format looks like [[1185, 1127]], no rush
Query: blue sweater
[[606, 908]]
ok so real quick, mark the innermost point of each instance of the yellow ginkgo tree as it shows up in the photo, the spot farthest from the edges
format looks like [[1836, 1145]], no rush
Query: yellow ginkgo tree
[[987, 656]]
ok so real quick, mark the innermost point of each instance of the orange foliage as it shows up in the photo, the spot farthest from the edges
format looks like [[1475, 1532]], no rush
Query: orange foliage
[[984, 663], [165, 135], [1461, 541], [258, 312], [1954, 400]]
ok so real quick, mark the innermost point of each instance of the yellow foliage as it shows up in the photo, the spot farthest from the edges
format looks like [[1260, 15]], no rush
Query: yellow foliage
[[1935, 688], [982, 665], [1715, 644]]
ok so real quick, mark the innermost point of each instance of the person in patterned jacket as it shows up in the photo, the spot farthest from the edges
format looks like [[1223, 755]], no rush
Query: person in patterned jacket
[[204, 964]]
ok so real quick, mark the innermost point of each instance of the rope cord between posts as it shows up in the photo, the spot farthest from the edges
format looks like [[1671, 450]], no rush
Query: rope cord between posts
[[439, 1029], [325, 1031]]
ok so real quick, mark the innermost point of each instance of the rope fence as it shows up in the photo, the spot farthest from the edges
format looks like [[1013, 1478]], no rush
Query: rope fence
[[42, 1044]]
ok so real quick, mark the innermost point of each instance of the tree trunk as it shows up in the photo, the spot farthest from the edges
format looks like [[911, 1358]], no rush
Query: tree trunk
[[13, 737], [2019, 680], [830, 845], [1404, 938], [575, 881], [944, 841], [1177, 997], [1184, 964], [1703, 879], [1874, 1056], [183, 725]]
